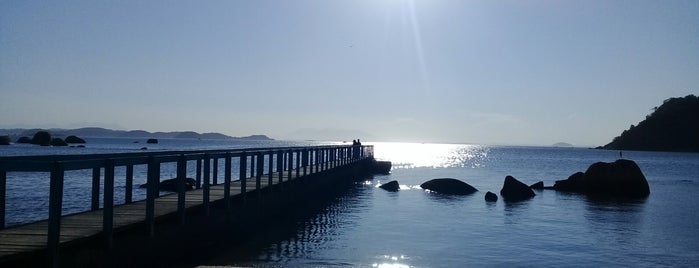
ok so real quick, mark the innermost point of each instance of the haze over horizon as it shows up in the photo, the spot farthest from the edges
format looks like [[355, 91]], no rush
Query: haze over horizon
[[506, 72]]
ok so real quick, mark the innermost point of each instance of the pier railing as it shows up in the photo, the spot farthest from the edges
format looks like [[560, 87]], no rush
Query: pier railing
[[280, 163]]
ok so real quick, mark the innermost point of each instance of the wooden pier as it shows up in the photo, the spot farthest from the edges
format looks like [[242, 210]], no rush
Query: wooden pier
[[98, 236]]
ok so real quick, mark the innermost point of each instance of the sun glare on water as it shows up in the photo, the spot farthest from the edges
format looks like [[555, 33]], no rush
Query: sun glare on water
[[411, 155]]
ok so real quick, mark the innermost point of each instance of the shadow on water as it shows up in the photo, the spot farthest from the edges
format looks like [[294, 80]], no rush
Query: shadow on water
[[302, 230]]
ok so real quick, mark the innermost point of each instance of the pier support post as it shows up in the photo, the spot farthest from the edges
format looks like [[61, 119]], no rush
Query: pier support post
[[55, 206]]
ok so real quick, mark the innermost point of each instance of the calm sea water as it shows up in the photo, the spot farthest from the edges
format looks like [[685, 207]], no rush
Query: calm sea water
[[369, 227]]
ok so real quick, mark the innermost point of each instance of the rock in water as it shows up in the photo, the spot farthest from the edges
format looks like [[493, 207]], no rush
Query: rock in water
[[620, 179], [152, 141], [74, 139], [171, 185], [5, 140], [58, 142], [514, 190], [491, 197], [448, 186], [42, 138], [390, 186], [539, 185], [24, 140]]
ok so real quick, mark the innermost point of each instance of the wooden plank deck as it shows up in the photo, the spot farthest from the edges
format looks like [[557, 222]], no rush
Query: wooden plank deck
[[32, 237]]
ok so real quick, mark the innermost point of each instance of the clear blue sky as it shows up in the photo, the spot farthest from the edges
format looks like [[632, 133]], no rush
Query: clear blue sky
[[493, 72]]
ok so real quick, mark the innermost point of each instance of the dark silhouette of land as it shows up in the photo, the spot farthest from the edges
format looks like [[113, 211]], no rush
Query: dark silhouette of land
[[96, 132], [674, 126]]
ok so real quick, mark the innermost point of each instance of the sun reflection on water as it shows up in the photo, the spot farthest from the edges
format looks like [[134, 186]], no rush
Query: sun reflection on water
[[411, 155], [389, 261]]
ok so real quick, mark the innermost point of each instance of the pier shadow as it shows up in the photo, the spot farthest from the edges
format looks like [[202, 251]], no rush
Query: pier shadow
[[290, 233]]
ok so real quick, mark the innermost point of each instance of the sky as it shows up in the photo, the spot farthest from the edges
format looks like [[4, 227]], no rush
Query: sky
[[488, 72]]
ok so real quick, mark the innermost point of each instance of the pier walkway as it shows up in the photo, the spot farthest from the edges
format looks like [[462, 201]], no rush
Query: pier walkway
[[246, 173]]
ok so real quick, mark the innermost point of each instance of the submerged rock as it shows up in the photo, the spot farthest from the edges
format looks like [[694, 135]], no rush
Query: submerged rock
[[390, 186], [620, 179], [152, 141], [514, 190], [448, 186], [491, 197], [24, 140]]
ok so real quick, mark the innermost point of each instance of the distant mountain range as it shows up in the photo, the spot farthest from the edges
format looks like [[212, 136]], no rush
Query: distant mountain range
[[96, 132], [674, 126]]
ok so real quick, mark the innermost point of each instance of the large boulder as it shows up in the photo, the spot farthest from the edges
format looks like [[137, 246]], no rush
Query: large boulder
[[58, 142], [391, 186], [42, 138], [74, 139], [381, 167], [5, 140], [619, 179], [538, 185], [514, 190], [448, 186], [24, 140], [171, 185]]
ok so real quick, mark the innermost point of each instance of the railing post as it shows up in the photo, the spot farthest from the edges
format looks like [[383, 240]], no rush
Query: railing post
[[243, 175], [270, 169], [227, 182], [215, 176], [304, 156], [3, 196], [258, 173], [151, 192], [207, 177], [280, 166], [108, 212], [181, 178], [252, 165], [128, 191], [198, 176], [55, 206], [290, 163], [298, 164], [95, 189]]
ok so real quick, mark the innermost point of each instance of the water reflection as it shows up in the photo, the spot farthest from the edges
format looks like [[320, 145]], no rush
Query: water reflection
[[411, 155], [390, 261], [614, 219]]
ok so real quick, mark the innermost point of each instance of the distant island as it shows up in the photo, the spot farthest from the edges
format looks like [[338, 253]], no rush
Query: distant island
[[96, 132], [674, 126], [562, 144]]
